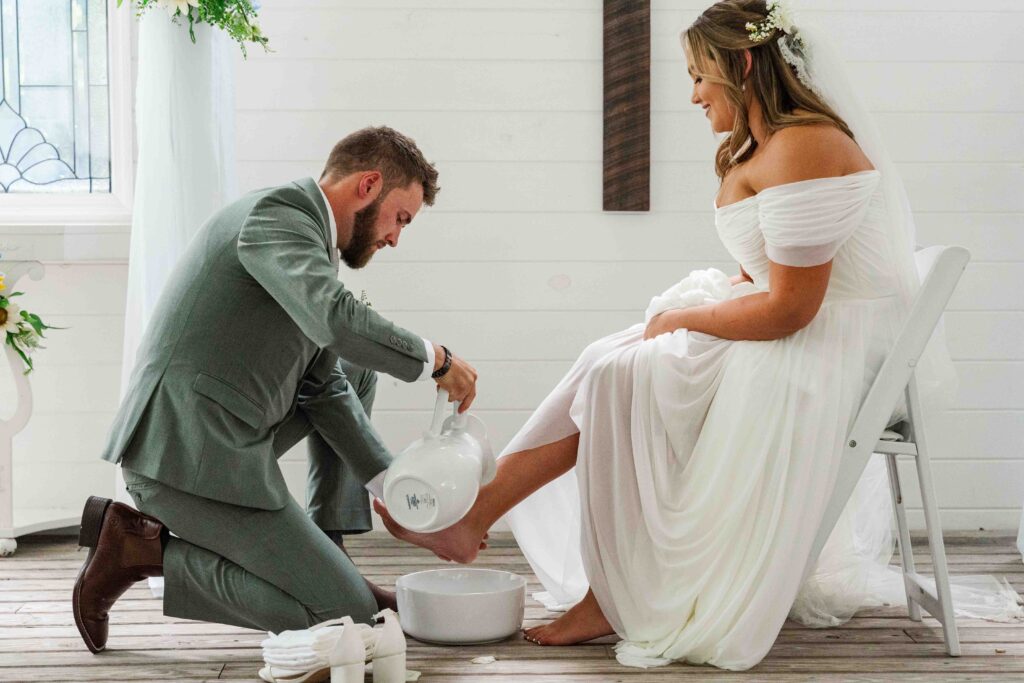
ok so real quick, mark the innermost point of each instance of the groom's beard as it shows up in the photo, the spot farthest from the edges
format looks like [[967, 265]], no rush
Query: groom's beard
[[362, 246]]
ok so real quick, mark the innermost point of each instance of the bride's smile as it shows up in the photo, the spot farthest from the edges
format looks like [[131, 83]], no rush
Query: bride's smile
[[711, 96]]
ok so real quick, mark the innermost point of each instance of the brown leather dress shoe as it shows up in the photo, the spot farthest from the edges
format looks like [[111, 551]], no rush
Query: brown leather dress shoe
[[124, 547]]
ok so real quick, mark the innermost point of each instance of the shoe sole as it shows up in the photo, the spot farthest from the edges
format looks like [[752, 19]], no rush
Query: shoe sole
[[88, 537]]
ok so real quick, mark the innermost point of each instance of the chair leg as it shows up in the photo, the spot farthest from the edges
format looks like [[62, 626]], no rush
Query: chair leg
[[903, 533], [933, 523]]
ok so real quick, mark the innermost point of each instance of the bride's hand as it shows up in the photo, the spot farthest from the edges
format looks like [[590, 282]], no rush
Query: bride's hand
[[664, 323]]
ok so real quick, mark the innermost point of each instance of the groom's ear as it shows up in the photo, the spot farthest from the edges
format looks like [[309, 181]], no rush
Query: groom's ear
[[370, 184]]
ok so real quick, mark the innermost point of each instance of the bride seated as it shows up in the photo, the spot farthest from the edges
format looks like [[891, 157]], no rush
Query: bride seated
[[672, 483]]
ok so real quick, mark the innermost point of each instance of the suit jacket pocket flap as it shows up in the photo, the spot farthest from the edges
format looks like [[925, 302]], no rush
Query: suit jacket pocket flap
[[231, 399]]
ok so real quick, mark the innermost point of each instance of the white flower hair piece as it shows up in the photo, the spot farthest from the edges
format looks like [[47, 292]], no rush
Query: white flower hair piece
[[778, 18]]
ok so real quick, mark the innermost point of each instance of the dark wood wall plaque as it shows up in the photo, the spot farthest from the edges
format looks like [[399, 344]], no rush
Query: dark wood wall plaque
[[627, 105]]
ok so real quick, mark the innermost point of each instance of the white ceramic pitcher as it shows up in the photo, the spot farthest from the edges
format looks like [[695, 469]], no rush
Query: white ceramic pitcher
[[434, 482]]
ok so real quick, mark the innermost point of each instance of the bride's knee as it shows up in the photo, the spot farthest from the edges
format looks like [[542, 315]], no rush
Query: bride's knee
[[608, 367], [598, 353], [594, 351]]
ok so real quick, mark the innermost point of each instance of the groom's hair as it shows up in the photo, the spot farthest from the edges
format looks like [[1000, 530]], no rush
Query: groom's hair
[[384, 149]]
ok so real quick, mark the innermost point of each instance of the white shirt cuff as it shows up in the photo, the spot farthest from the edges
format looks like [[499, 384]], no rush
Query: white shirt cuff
[[428, 367], [376, 485]]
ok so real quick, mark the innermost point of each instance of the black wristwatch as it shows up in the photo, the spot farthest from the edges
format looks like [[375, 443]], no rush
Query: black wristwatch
[[445, 366]]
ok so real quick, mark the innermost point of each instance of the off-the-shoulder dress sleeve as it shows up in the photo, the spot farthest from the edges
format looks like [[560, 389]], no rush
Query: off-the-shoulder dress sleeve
[[804, 223]]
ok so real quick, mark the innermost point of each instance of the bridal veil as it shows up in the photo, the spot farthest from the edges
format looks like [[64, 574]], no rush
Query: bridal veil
[[853, 569]]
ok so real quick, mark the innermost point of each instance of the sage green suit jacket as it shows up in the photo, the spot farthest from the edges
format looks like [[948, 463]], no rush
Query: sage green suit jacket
[[239, 361]]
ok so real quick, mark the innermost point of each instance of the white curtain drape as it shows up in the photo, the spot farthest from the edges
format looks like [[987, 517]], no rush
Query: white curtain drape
[[184, 114]]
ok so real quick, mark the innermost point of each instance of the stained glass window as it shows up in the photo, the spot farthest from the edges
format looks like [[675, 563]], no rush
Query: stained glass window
[[54, 113]]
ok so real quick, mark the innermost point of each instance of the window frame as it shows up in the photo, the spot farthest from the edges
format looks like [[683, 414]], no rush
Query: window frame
[[107, 209]]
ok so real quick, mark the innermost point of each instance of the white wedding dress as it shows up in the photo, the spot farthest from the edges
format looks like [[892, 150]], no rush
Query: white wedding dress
[[705, 465]]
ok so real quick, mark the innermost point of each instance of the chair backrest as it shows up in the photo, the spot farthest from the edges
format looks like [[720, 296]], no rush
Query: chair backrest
[[896, 371]]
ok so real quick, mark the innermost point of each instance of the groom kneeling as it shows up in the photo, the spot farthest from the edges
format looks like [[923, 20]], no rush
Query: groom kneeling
[[243, 359]]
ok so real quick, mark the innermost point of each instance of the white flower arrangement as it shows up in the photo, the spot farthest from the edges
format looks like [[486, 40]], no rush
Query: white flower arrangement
[[237, 18], [175, 6], [22, 331], [779, 18]]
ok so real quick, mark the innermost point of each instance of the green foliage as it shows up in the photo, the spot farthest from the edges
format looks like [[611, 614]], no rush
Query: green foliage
[[235, 17], [29, 332]]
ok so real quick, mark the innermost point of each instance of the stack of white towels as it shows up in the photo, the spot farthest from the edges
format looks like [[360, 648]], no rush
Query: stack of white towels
[[339, 648]]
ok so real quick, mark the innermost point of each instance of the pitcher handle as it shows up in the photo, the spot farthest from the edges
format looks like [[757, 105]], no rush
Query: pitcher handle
[[440, 406]]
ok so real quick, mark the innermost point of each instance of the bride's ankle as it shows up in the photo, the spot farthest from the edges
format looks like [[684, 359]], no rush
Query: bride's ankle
[[475, 524], [484, 514]]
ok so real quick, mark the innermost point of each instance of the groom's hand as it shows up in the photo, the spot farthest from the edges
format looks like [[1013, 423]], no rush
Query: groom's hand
[[459, 381]]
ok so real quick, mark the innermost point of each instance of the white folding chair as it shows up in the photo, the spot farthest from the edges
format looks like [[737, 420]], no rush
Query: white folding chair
[[869, 435]]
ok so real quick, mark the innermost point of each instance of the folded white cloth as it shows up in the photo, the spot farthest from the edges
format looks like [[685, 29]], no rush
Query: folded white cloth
[[698, 288], [320, 637], [307, 661], [308, 649]]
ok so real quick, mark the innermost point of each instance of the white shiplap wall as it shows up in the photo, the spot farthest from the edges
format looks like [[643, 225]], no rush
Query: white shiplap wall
[[517, 268]]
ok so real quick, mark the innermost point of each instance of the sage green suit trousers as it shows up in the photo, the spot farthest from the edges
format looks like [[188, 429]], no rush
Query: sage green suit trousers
[[336, 500], [270, 570]]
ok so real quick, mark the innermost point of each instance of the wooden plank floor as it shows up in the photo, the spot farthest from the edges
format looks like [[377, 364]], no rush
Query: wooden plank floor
[[39, 642]]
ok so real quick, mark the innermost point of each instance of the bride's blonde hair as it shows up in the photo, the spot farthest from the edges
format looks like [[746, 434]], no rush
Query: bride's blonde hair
[[718, 37]]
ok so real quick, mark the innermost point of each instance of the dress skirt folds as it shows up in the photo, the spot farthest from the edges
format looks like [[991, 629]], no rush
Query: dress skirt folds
[[705, 465]]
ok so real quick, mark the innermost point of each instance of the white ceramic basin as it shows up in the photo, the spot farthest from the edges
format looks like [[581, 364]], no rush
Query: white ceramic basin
[[461, 605]]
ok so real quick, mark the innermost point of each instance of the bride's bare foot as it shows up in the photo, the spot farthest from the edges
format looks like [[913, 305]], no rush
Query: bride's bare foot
[[585, 621], [459, 543]]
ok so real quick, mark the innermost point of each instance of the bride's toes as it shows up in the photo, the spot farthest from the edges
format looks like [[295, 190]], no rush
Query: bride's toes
[[533, 634], [583, 622]]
